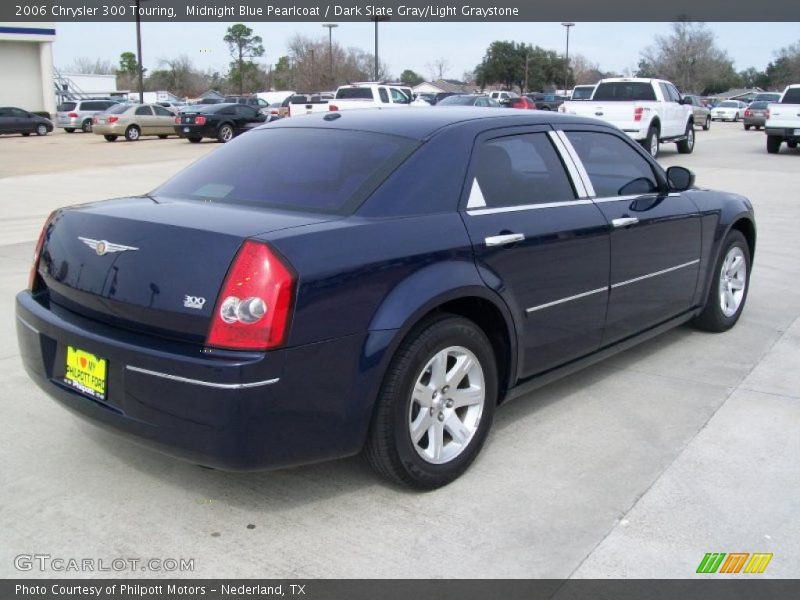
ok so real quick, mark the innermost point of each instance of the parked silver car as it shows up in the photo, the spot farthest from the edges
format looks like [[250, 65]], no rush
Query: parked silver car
[[77, 114], [702, 114]]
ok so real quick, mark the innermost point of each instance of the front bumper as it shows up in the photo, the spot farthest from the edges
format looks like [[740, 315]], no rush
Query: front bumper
[[235, 412]]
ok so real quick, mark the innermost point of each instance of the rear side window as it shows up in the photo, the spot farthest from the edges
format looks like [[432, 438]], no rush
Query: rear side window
[[384, 96], [162, 112], [144, 111], [614, 168], [520, 170], [118, 109], [625, 91], [792, 96], [67, 106], [311, 170], [354, 94]]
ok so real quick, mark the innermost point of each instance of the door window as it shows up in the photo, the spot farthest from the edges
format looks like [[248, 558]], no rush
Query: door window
[[613, 166], [144, 111], [162, 112], [398, 97], [520, 170], [383, 95], [19, 113]]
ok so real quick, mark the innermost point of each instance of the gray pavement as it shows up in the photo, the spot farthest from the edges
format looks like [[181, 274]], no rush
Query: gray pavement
[[636, 467]]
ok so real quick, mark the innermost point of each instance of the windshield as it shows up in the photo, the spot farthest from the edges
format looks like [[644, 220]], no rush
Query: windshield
[[312, 170], [729, 104], [623, 91]]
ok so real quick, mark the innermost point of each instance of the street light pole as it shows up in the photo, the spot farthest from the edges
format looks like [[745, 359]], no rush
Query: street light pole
[[566, 66], [140, 67], [330, 27], [377, 18]]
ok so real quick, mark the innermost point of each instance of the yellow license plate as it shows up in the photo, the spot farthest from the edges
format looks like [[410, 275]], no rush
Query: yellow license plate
[[86, 373]]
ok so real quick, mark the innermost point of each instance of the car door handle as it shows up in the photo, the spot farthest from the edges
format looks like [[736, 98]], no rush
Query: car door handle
[[624, 221], [502, 240]]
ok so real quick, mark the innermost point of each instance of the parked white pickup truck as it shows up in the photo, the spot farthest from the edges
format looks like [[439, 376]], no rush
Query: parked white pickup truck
[[783, 120], [369, 95], [651, 111]]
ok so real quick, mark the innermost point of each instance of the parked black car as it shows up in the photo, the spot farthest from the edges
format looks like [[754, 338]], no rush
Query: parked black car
[[220, 121], [17, 120], [254, 101], [547, 101]]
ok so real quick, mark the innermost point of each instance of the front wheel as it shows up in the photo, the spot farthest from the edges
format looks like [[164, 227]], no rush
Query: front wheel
[[436, 404], [69, 129], [747, 127], [651, 143], [728, 289], [707, 124], [162, 137], [686, 146], [774, 144], [132, 133], [792, 145], [736, 118], [110, 138], [195, 140], [86, 127], [41, 130]]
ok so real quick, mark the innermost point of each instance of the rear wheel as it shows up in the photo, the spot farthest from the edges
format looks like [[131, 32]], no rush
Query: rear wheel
[[110, 138], [651, 143], [69, 129], [86, 126], [736, 118], [792, 145], [26, 133], [41, 129], [195, 140], [746, 127], [436, 404], [162, 137], [707, 124], [132, 133], [686, 146], [727, 291], [774, 144], [225, 133]]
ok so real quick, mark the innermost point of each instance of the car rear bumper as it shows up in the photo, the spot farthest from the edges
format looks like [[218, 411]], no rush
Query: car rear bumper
[[788, 134], [106, 129], [757, 121], [187, 131], [69, 123], [238, 412]]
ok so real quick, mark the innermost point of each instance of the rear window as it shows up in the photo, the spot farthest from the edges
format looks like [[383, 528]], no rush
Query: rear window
[[118, 109], [625, 91], [310, 170], [792, 96], [354, 94], [759, 105], [67, 106], [729, 104], [582, 93]]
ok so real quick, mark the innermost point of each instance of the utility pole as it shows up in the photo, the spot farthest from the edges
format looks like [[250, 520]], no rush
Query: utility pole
[[330, 27], [527, 56], [566, 66], [139, 53], [376, 19]]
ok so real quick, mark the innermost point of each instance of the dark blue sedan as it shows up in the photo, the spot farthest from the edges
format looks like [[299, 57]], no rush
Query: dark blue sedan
[[372, 281]]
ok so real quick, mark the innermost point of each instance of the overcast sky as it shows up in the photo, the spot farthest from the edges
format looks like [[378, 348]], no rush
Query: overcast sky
[[615, 46]]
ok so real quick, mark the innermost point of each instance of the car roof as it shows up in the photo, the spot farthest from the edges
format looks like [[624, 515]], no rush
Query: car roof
[[421, 123]]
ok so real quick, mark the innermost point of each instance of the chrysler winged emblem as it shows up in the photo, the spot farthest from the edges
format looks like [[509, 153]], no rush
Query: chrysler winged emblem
[[104, 247]]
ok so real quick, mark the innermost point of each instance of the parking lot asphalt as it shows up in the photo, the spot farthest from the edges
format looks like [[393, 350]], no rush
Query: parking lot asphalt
[[636, 467]]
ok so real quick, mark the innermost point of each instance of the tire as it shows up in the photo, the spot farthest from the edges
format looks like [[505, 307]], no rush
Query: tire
[[687, 146], [41, 130], [774, 144], [162, 137], [736, 118], [69, 129], [195, 140], [110, 138], [714, 317], [86, 126], [707, 124], [747, 127], [792, 145], [25, 133], [651, 142], [132, 133], [225, 133], [426, 464]]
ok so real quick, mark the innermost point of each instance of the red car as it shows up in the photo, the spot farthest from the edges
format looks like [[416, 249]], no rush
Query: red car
[[522, 102]]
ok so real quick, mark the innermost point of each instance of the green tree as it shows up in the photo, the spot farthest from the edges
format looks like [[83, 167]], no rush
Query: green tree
[[243, 45], [411, 78], [282, 74], [128, 65]]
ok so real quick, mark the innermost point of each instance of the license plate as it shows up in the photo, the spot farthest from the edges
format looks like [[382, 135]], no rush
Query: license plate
[[186, 130], [86, 373]]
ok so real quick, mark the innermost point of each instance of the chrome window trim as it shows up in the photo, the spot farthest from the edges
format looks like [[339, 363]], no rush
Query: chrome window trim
[[567, 299], [521, 207], [634, 197], [221, 386], [569, 163], [656, 273], [587, 183]]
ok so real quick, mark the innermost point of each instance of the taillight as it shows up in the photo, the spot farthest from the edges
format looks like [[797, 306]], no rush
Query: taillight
[[748, 113], [177, 120], [253, 307], [112, 119], [333, 108], [637, 113], [37, 253], [73, 115], [199, 120]]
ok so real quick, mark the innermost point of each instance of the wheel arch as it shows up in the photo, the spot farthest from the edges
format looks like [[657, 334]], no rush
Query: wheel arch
[[748, 230]]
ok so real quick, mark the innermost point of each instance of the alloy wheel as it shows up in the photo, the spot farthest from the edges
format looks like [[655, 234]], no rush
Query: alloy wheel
[[446, 405], [732, 281]]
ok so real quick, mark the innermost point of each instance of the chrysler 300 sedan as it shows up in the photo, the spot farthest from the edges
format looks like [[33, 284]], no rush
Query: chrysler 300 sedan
[[369, 282]]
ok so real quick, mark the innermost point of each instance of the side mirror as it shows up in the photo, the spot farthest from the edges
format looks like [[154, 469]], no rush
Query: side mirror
[[679, 179]]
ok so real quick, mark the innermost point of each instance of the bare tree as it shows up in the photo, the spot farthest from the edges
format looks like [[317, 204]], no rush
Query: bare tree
[[91, 66], [309, 66], [438, 68]]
